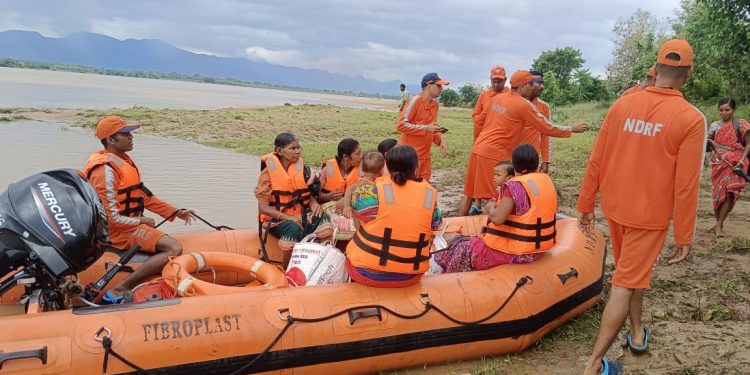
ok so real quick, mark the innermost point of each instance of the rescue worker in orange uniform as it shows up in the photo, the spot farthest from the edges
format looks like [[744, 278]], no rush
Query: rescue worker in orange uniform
[[650, 80], [646, 163], [117, 181], [393, 249], [503, 131], [343, 171], [418, 126], [531, 135], [497, 86]]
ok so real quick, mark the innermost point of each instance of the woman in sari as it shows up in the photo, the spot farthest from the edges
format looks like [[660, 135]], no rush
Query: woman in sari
[[730, 141]]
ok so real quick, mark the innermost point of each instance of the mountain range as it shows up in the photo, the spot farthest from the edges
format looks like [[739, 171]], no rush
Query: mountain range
[[101, 51]]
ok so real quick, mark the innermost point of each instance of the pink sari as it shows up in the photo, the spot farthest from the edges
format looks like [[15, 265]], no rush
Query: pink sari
[[729, 149]]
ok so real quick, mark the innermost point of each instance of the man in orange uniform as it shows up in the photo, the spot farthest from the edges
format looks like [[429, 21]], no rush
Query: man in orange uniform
[[118, 183], [650, 80], [531, 135], [503, 131], [417, 123], [497, 86], [646, 163]]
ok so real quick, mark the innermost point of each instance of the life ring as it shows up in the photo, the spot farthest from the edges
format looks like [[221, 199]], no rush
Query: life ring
[[179, 270]]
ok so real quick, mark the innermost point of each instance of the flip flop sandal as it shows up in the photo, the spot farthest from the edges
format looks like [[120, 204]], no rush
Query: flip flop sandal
[[642, 348], [611, 367], [111, 299]]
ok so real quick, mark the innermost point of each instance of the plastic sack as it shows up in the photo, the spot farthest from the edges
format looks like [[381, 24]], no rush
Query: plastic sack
[[344, 226], [316, 263]]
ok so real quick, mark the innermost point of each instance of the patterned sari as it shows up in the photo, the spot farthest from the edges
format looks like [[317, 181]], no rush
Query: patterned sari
[[728, 149]]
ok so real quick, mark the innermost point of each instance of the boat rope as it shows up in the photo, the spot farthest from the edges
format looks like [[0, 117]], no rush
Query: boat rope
[[216, 227], [424, 298], [107, 345]]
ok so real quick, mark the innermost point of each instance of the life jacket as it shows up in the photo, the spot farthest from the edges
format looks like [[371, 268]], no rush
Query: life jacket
[[289, 191], [334, 179], [534, 231], [398, 239], [131, 191]]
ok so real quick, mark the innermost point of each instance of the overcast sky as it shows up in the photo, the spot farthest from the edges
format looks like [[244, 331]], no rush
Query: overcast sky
[[381, 40]]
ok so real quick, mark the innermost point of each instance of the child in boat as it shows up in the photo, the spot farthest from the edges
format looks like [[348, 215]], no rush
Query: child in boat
[[502, 173], [360, 200], [512, 221]]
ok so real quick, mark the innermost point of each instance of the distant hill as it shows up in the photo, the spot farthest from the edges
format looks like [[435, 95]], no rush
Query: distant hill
[[100, 51]]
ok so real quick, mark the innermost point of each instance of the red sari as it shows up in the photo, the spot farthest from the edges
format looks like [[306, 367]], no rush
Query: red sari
[[730, 149]]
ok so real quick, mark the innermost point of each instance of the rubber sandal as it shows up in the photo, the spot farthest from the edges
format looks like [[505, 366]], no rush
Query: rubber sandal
[[111, 299], [474, 210], [635, 348], [611, 367]]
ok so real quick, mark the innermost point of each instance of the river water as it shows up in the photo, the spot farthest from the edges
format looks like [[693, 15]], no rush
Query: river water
[[50, 89], [217, 184]]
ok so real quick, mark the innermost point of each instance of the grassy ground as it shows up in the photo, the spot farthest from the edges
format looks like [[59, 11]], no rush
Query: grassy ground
[[698, 310]]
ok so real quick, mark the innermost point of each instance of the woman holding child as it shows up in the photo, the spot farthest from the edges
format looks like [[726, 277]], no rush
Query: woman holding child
[[521, 220], [393, 249], [284, 196]]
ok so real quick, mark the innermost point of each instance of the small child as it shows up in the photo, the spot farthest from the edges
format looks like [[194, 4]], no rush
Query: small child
[[360, 199], [502, 173]]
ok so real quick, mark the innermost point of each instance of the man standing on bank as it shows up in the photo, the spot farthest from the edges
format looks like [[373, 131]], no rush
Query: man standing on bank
[[646, 163], [417, 123]]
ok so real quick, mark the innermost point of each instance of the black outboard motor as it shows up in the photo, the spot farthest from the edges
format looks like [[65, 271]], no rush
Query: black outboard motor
[[51, 225]]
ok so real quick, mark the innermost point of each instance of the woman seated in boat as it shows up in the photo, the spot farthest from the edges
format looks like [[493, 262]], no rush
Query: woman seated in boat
[[340, 172], [521, 222], [284, 196], [393, 250]]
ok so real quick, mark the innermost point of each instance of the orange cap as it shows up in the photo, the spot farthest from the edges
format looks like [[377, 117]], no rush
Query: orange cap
[[651, 71], [112, 125], [679, 47], [497, 72], [522, 77]]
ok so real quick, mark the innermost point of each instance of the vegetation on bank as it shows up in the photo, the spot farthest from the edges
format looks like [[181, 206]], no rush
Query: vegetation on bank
[[38, 65]]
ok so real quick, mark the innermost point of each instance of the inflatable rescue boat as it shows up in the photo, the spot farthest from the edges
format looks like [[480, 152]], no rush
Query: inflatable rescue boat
[[342, 329]]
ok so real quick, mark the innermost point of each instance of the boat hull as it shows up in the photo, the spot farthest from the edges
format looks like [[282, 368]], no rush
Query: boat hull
[[356, 329]]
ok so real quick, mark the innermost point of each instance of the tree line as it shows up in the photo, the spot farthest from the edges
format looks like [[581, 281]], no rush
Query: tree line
[[718, 30]]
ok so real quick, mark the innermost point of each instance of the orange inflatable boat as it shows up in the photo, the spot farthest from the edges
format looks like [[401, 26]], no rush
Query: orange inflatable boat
[[328, 329]]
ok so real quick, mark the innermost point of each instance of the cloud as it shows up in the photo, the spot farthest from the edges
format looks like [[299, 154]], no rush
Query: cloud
[[381, 40]]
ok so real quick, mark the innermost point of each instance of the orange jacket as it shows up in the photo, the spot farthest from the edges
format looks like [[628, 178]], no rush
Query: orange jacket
[[118, 183], [334, 180], [411, 124], [289, 191], [479, 114], [534, 231], [534, 137], [398, 239], [647, 162], [503, 127]]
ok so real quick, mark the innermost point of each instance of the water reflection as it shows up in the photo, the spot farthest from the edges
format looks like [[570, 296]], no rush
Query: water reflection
[[216, 183]]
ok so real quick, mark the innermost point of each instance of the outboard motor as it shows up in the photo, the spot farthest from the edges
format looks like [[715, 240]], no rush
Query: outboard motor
[[51, 225]]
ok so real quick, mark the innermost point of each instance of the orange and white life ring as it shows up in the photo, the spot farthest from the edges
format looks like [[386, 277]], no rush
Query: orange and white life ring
[[179, 270]]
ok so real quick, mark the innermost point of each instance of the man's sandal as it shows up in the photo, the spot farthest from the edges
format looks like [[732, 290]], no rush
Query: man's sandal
[[638, 349], [611, 367]]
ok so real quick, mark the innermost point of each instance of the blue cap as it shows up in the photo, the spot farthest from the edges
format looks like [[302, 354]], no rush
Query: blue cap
[[433, 78]]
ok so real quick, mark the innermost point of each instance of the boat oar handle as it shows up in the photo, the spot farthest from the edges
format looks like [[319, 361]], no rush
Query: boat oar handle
[[354, 315]]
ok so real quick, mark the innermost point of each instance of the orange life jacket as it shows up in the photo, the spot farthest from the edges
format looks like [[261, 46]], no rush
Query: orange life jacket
[[289, 191], [398, 239], [130, 191], [334, 179], [534, 231]]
